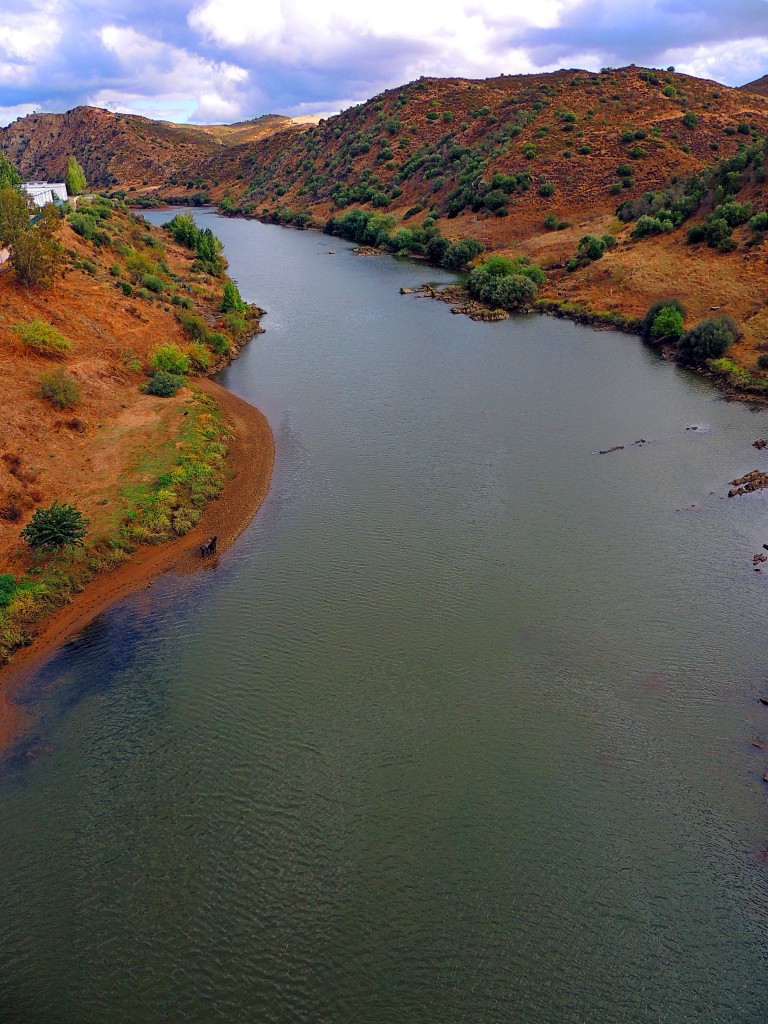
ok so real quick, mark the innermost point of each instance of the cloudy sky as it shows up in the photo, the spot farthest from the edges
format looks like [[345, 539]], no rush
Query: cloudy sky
[[226, 60]]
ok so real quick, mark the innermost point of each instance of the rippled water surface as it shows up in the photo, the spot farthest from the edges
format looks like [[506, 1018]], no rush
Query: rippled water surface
[[460, 729]]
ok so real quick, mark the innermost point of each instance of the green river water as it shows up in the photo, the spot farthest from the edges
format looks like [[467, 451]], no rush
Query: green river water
[[458, 731]]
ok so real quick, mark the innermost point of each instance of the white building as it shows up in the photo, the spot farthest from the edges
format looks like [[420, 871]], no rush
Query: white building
[[42, 192]]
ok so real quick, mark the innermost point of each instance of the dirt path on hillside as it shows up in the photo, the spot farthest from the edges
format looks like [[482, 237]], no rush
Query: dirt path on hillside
[[250, 461]]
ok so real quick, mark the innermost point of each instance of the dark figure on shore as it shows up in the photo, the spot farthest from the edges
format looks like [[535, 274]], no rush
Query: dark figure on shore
[[208, 549]]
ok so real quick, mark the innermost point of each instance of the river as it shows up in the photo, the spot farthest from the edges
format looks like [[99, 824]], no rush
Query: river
[[458, 731]]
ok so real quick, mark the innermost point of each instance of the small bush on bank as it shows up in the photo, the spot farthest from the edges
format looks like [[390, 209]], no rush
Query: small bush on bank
[[8, 586], [505, 283], [163, 384], [55, 526], [170, 358], [60, 389], [220, 343], [199, 356], [42, 339]]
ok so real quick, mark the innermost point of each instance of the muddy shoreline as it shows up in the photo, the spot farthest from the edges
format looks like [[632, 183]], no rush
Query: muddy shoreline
[[249, 470]]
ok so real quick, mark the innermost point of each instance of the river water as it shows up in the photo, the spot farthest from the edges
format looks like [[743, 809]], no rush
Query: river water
[[458, 731]]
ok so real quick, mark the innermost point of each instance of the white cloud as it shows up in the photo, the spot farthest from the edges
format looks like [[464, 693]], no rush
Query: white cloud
[[734, 63], [32, 32], [172, 77], [455, 34]]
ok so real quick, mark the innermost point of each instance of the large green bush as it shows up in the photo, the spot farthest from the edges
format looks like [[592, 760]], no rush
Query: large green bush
[[505, 283], [708, 339]]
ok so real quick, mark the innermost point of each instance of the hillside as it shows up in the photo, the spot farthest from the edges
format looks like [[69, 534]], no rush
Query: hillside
[[102, 444], [123, 149], [552, 142]]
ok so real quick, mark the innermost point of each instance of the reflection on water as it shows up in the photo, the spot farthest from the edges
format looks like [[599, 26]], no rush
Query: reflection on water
[[459, 730]]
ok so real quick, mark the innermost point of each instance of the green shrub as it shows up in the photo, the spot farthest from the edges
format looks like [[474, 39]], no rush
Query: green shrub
[[550, 222], [152, 283], [43, 339], [667, 324], [695, 233], [125, 287], [193, 326], [169, 358], [690, 120], [727, 245], [220, 343], [60, 389], [237, 325], [182, 300], [163, 384], [8, 582], [54, 527], [708, 339], [546, 189], [199, 356], [646, 324]]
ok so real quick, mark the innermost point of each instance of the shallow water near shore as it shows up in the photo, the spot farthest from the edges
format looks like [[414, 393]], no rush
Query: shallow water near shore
[[460, 728]]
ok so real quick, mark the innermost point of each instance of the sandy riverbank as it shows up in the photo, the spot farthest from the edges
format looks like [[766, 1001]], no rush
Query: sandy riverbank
[[249, 467]]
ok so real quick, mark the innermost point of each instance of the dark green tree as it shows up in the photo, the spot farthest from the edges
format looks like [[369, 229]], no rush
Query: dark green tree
[[708, 339], [232, 301], [53, 527]]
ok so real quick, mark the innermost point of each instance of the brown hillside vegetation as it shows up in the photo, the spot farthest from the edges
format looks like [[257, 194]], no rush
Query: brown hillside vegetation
[[568, 129], [502, 160]]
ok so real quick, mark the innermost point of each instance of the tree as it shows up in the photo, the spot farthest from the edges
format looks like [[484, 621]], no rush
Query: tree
[[76, 183], [232, 300], [708, 339], [8, 172], [667, 324], [53, 527], [37, 257], [655, 308]]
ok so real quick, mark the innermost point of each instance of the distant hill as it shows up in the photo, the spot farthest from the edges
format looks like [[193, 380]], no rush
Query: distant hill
[[122, 149], [760, 85]]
